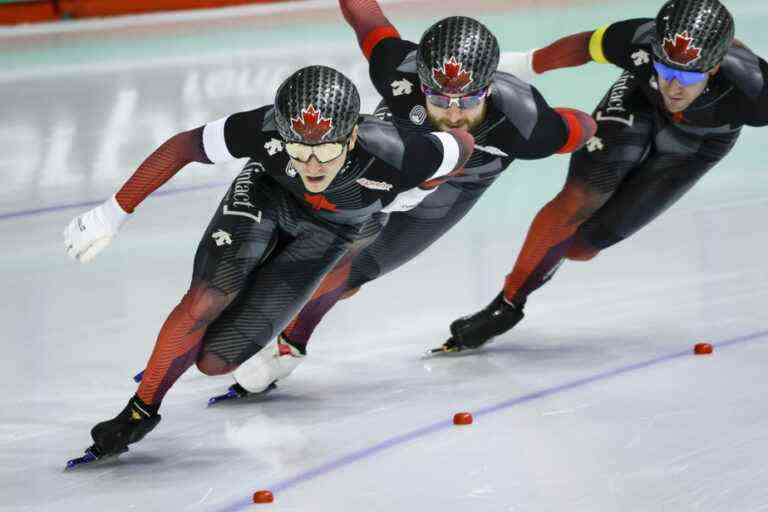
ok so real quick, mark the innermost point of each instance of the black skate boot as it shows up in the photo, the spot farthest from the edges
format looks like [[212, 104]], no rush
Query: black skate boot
[[474, 331], [112, 437]]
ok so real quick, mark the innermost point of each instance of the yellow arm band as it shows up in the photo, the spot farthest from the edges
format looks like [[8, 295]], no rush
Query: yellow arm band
[[596, 45]]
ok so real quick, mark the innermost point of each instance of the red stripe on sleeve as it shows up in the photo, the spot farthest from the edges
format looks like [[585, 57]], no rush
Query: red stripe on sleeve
[[161, 166], [564, 53], [375, 36], [581, 128]]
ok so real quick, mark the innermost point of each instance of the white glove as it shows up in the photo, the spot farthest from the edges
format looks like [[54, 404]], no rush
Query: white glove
[[519, 64], [89, 233]]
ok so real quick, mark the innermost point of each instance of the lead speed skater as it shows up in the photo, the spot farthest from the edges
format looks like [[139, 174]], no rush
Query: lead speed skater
[[317, 178]]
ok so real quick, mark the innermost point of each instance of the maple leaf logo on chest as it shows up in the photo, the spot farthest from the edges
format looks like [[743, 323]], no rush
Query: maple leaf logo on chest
[[681, 50], [311, 126], [452, 78], [319, 202]]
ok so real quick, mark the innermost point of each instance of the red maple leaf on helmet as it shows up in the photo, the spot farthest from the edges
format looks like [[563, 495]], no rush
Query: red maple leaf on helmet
[[452, 79], [311, 126], [682, 50]]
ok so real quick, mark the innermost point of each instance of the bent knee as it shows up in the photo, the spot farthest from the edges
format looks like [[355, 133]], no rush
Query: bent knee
[[205, 303], [349, 293], [580, 201], [581, 250], [211, 365]]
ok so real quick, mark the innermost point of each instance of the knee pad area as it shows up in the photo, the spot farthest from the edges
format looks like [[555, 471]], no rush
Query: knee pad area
[[204, 303], [581, 251], [210, 364], [349, 293]]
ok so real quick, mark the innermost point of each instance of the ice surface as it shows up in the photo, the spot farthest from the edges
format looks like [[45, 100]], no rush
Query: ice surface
[[582, 423]]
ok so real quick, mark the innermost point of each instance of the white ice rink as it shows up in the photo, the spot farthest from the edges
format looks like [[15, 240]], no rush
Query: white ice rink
[[594, 403]]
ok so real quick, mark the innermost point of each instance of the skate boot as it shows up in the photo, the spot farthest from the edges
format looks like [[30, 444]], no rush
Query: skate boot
[[112, 437], [128, 427], [474, 331], [258, 375]]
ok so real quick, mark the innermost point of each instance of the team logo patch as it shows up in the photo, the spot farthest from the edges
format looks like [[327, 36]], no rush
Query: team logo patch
[[401, 87], [641, 57], [311, 126], [273, 147], [418, 114], [221, 237], [595, 144], [290, 171], [452, 78], [681, 50], [374, 185]]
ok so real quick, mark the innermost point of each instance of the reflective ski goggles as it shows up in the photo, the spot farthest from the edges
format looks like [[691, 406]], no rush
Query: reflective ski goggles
[[323, 152], [463, 102], [684, 78]]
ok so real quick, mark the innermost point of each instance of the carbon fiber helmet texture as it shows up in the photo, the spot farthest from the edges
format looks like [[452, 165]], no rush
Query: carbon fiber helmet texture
[[457, 55], [693, 35], [316, 104]]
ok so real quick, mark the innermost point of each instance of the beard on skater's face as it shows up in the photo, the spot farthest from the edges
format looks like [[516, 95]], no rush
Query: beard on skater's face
[[468, 119]]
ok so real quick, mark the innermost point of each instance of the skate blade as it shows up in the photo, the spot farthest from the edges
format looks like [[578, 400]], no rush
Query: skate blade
[[91, 460], [439, 351], [454, 350], [230, 396]]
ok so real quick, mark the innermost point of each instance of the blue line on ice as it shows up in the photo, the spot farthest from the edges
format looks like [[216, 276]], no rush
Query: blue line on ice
[[87, 204], [392, 442]]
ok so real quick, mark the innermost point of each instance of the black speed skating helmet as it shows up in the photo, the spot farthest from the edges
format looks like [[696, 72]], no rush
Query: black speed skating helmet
[[457, 55], [316, 104], [693, 35]]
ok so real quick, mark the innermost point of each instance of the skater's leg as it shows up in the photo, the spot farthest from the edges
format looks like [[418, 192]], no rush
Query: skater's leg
[[277, 290], [581, 249], [677, 161], [231, 247], [654, 187], [332, 289], [595, 173], [405, 236], [623, 140]]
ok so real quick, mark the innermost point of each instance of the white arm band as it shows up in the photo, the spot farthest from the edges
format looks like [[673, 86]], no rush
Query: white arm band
[[214, 143], [450, 154], [519, 64]]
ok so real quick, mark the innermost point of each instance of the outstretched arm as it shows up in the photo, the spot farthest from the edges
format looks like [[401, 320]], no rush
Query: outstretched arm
[[161, 166], [89, 233], [369, 23], [569, 51]]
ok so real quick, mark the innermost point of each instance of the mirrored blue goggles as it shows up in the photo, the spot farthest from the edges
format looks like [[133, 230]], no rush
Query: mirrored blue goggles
[[684, 78], [463, 102]]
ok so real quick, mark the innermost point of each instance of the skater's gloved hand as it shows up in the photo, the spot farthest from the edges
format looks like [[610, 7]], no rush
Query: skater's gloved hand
[[519, 64], [477, 329], [89, 233]]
